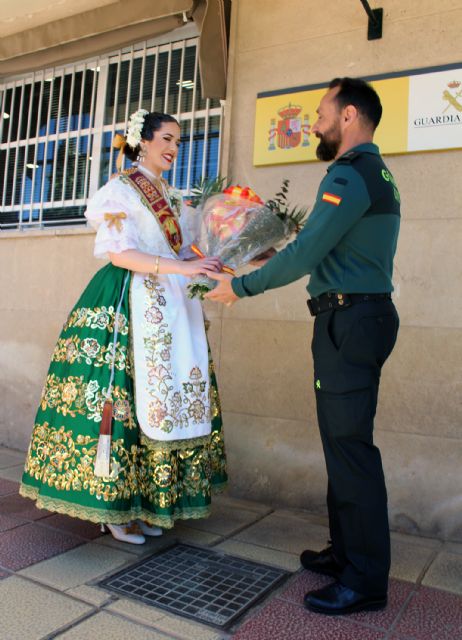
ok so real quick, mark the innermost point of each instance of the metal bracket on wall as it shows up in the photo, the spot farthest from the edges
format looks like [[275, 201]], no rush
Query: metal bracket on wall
[[374, 29]]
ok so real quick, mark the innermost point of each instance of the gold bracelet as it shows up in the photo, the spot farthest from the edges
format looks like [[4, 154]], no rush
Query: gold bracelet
[[156, 266]]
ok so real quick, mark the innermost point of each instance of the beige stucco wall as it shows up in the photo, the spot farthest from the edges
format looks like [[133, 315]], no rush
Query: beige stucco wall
[[261, 346]]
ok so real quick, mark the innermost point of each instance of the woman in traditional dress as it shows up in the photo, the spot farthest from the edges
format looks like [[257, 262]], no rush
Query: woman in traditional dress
[[135, 346]]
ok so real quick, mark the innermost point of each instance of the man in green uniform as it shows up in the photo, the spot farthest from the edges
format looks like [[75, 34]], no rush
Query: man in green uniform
[[347, 245]]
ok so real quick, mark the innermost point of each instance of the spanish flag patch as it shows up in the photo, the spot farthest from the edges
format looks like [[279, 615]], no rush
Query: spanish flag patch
[[330, 197]]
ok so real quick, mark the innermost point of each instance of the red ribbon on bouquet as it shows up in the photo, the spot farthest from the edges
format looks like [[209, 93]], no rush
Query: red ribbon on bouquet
[[200, 254], [243, 192]]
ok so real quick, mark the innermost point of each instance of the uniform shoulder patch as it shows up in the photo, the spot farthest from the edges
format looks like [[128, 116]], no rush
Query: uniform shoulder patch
[[331, 198]]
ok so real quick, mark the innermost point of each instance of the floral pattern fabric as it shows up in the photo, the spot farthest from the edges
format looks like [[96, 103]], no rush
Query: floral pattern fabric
[[156, 481]]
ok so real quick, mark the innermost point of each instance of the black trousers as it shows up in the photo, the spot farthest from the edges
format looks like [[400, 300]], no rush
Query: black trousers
[[349, 348]]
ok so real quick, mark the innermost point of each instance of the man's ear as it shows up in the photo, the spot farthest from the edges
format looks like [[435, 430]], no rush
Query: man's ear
[[350, 114]]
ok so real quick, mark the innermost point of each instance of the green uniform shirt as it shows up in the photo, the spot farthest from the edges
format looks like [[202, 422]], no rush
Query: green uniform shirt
[[349, 240]]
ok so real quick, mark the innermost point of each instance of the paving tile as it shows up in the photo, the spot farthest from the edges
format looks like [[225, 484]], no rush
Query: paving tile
[[92, 595], [398, 594], [32, 611], [76, 567], [453, 547], [105, 625], [7, 522], [315, 518], [420, 541], [9, 458], [431, 615], [281, 559], [30, 543], [16, 505], [157, 618], [7, 487], [193, 536], [225, 519], [12, 473], [238, 503], [408, 560], [445, 572], [75, 526], [289, 533], [285, 621]]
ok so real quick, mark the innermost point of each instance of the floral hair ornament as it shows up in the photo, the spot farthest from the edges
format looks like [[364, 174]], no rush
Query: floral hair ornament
[[133, 137], [135, 125]]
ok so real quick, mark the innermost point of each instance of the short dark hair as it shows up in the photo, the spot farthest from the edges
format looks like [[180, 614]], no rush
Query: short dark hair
[[361, 95], [153, 121]]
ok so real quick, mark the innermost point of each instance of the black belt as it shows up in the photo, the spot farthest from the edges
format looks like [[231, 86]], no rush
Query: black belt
[[328, 301]]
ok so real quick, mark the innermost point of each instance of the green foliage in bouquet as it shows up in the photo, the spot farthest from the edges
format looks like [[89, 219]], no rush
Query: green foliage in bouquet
[[207, 187], [198, 290], [294, 217]]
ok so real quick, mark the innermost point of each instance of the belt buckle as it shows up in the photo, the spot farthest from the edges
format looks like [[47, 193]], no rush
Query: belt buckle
[[343, 300]]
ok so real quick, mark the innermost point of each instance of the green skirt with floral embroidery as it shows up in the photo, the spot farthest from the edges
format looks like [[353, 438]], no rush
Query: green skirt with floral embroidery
[[157, 482]]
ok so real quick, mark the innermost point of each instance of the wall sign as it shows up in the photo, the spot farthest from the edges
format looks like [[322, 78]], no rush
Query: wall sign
[[422, 111]]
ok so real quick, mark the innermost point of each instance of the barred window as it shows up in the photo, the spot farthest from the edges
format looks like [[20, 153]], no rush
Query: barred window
[[56, 129]]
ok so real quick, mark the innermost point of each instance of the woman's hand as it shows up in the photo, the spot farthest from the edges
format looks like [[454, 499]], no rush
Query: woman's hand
[[200, 267]]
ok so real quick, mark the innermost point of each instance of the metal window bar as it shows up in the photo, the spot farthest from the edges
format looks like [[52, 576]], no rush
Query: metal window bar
[[8, 147], [180, 95], [154, 80], [26, 150], [143, 68], [58, 120], [114, 115], [220, 136], [45, 148], [95, 130], [15, 171], [206, 138], [127, 103], [2, 113], [67, 143], [167, 79], [36, 148], [91, 126], [191, 130], [79, 129]]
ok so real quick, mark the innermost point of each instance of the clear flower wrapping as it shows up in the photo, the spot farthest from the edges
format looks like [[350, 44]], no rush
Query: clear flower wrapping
[[237, 226]]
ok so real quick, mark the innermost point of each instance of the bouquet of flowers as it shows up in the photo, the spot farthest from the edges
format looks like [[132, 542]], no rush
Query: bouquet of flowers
[[237, 226]]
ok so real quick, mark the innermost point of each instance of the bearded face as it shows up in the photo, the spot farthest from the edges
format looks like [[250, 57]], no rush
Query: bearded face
[[330, 141]]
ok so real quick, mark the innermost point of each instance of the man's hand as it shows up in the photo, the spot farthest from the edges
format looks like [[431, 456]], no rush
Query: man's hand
[[223, 292]]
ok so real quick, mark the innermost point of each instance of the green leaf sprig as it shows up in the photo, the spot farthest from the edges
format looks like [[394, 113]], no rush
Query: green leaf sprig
[[295, 217]]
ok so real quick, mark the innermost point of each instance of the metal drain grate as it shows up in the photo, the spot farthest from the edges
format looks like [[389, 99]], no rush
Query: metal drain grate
[[205, 585]]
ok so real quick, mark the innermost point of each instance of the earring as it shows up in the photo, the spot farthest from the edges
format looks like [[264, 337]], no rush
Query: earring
[[142, 152]]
